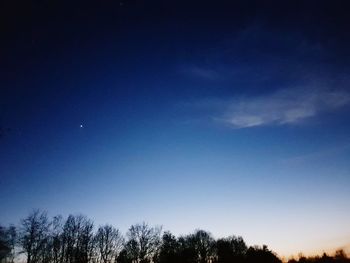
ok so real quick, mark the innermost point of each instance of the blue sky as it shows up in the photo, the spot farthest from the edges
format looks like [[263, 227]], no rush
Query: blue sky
[[235, 124]]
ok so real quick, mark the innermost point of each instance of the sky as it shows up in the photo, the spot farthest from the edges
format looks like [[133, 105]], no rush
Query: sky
[[229, 117]]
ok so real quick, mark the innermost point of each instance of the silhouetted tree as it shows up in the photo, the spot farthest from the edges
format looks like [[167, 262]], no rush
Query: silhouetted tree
[[143, 242], [324, 259], [204, 246], [109, 242], [11, 233], [78, 240], [5, 246], [198, 247], [123, 257], [169, 249], [340, 256], [231, 249], [187, 250], [69, 237], [57, 240], [133, 251], [34, 233], [261, 255], [74, 241], [85, 244]]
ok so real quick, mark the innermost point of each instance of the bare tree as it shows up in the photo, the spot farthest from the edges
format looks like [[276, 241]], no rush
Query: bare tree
[[5, 249], [34, 233], [85, 240], [8, 237], [12, 240], [143, 242], [77, 238], [69, 239], [201, 245], [109, 242], [57, 240]]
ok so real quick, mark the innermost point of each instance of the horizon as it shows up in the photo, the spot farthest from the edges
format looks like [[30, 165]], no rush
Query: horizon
[[312, 253], [231, 117]]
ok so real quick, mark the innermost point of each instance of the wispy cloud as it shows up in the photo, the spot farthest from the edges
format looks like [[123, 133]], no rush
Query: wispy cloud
[[200, 72], [286, 106], [322, 155]]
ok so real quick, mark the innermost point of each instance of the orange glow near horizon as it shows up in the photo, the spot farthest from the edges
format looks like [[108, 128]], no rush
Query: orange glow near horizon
[[313, 251]]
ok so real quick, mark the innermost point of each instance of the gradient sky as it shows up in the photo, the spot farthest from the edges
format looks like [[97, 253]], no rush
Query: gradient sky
[[229, 117]]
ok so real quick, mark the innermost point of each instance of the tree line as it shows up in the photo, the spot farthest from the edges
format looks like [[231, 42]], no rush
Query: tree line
[[39, 239]]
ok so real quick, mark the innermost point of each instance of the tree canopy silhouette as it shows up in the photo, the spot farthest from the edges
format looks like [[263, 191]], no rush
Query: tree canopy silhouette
[[74, 240]]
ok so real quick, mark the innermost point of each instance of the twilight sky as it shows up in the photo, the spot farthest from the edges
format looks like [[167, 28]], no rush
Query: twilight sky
[[231, 117]]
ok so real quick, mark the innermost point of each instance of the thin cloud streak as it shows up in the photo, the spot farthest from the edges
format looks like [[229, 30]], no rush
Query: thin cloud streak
[[288, 106], [202, 73], [323, 155]]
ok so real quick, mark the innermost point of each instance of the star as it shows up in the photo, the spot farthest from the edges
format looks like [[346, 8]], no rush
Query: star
[[81, 126]]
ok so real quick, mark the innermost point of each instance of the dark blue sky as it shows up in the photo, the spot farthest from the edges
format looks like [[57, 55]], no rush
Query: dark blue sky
[[232, 117]]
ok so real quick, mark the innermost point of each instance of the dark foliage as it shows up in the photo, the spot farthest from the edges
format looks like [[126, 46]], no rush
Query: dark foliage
[[339, 257], [74, 240]]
